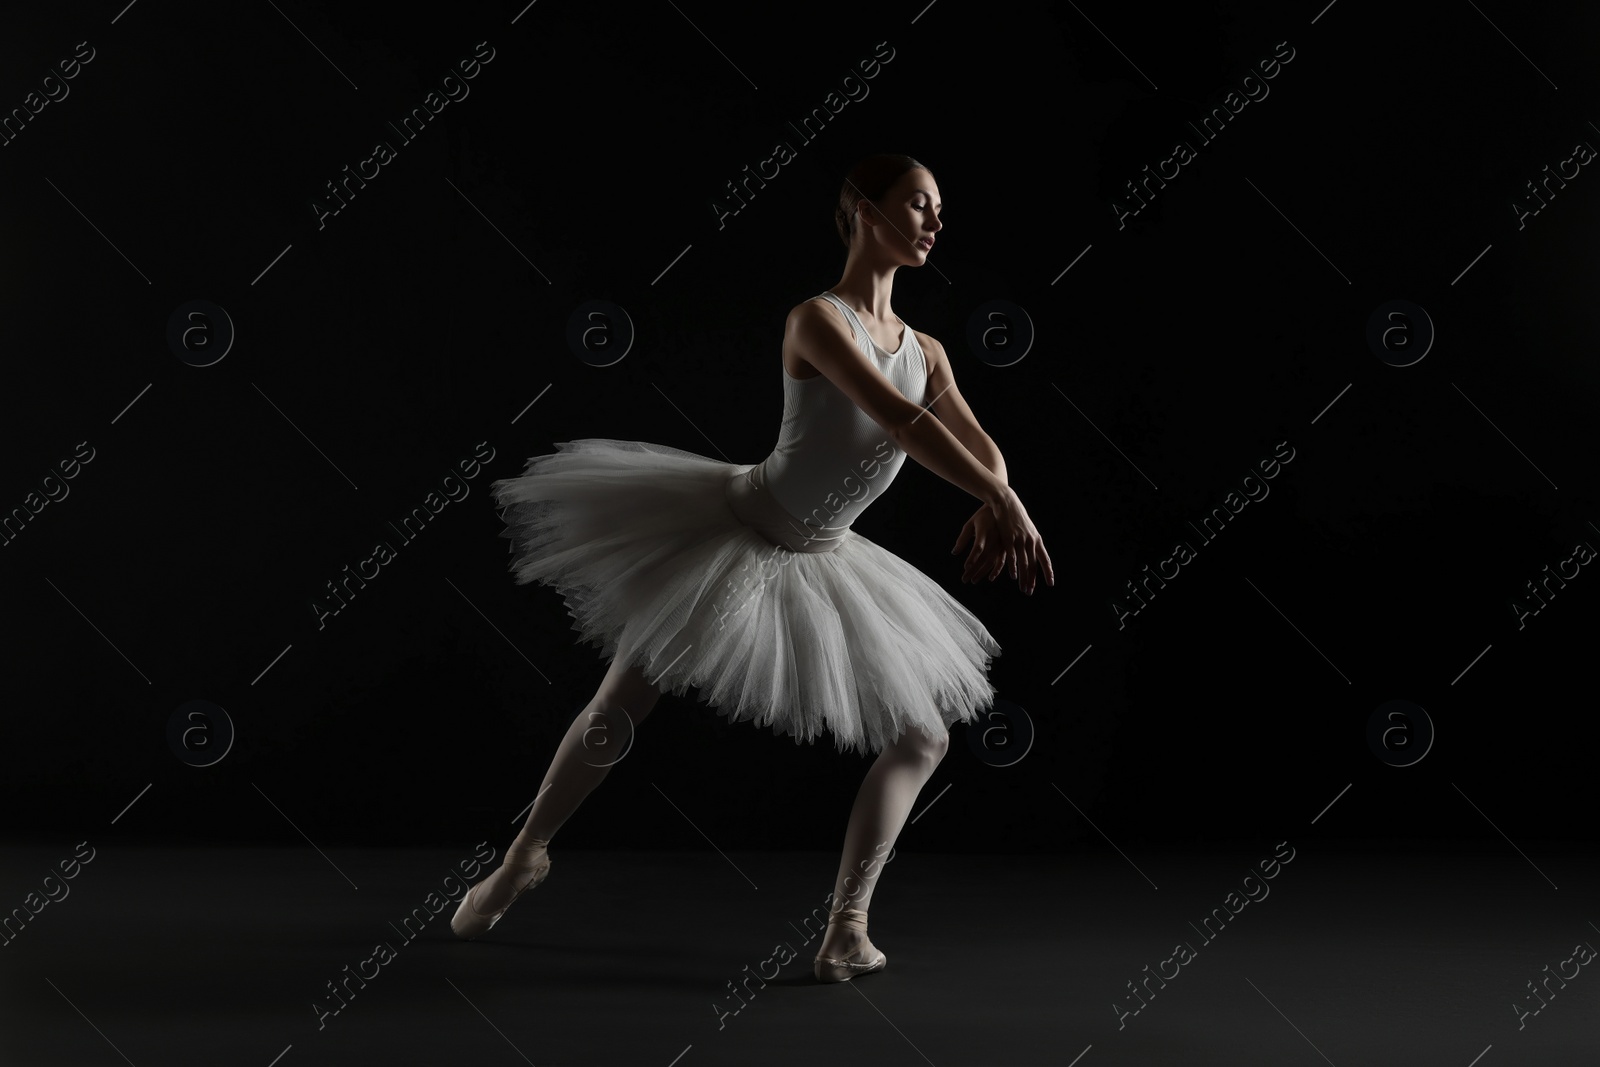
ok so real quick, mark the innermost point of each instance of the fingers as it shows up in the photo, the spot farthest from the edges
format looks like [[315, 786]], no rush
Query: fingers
[[1023, 561], [984, 569], [977, 565], [994, 565], [1040, 565], [1042, 556], [969, 571], [1017, 560], [974, 567]]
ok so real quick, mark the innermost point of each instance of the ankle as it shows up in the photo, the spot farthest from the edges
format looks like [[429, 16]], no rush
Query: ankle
[[525, 850], [843, 940]]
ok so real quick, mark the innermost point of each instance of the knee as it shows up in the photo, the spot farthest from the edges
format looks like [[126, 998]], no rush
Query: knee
[[928, 747], [622, 710], [632, 696]]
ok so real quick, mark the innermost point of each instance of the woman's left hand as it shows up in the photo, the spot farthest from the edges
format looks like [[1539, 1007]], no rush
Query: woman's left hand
[[987, 558]]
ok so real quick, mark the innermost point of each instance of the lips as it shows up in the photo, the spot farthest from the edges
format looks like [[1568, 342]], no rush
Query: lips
[[925, 243]]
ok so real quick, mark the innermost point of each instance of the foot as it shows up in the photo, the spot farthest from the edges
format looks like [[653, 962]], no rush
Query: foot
[[525, 866], [501, 887], [846, 952], [847, 943]]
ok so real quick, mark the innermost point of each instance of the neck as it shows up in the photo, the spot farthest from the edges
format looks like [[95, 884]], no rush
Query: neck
[[867, 287]]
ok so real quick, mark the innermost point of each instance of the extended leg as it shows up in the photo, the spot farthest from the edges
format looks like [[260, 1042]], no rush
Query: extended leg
[[881, 808], [597, 738]]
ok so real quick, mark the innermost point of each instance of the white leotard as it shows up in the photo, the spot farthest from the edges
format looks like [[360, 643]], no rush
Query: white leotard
[[832, 460]]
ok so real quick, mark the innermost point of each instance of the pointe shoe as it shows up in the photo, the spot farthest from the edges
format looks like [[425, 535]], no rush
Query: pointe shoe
[[828, 969], [469, 923]]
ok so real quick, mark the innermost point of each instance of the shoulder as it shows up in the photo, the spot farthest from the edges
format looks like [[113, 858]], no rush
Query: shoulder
[[812, 321], [810, 312]]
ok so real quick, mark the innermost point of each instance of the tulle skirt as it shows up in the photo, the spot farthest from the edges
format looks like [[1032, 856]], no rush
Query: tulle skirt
[[687, 567]]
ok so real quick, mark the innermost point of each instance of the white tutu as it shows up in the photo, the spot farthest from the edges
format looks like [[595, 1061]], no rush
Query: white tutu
[[656, 567]]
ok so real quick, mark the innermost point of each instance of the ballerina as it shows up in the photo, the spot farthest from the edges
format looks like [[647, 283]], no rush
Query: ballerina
[[746, 582]]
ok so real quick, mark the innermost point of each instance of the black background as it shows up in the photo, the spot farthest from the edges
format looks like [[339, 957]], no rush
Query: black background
[[1176, 353]]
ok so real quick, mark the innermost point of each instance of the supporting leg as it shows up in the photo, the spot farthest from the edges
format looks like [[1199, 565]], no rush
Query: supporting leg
[[881, 809]]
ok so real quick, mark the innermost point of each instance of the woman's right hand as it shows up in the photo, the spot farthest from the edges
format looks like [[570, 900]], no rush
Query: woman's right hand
[[1020, 543]]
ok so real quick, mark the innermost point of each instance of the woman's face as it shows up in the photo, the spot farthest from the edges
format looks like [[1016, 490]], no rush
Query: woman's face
[[908, 216]]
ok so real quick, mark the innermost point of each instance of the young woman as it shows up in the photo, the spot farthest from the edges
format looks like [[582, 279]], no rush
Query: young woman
[[746, 582]]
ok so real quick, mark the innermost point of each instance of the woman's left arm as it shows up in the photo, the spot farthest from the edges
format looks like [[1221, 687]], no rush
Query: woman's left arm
[[946, 402]]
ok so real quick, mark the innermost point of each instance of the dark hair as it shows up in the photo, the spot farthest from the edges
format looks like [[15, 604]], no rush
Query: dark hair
[[868, 180]]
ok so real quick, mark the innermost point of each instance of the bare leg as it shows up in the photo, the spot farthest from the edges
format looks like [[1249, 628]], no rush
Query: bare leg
[[597, 738], [881, 808]]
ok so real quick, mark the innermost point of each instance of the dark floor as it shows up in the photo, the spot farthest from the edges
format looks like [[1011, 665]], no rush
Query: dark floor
[[217, 957]]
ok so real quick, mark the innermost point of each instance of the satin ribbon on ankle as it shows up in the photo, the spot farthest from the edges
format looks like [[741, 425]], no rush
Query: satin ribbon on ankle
[[538, 845]]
